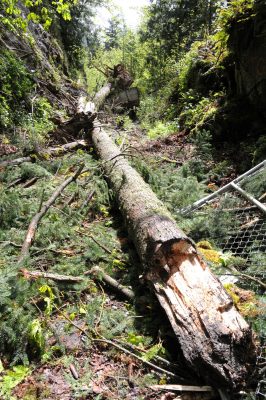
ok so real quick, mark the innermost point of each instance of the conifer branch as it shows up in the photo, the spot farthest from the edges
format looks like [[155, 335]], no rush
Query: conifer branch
[[37, 217]]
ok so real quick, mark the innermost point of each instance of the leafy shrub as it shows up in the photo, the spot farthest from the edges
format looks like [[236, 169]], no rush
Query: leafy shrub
[[15, 88], [162, 129]]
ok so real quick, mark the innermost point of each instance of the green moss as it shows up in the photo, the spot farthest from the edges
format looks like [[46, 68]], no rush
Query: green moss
[[229, 287], [204, 244], [245, 300]]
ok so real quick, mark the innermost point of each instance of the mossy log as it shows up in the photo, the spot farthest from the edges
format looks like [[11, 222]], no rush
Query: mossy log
[[214, 338]]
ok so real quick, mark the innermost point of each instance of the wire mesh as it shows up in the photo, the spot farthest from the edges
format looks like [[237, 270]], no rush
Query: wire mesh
[[237, 228]]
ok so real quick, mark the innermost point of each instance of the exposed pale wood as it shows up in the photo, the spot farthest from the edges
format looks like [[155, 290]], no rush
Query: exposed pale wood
[[73, 371], [101, 275], [85, 107], [47, 275], [82, 100], [182, 388], [101, 95], [88, 198], [214, 338], [58, 150], [30, 235], [14, 183]]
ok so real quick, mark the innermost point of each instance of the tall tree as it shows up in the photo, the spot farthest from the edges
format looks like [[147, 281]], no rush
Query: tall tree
[[114, 32], [171, 27], [80, 32]]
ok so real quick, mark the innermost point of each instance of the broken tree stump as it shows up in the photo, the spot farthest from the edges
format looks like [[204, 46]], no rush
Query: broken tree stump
[[214, 338]]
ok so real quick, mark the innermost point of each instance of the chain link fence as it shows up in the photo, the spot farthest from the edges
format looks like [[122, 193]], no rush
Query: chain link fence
[[233, 222]]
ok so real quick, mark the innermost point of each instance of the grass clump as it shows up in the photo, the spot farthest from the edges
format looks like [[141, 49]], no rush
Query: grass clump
[[161, 130]]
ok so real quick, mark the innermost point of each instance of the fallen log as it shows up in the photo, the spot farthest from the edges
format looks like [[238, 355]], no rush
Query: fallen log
[[82, 119], [214, 338], [30, 235], [64, 148], [49, 152], [16, 161], [102, 95]]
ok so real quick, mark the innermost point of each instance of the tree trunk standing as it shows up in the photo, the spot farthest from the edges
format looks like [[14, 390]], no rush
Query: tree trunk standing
[[214, 338]]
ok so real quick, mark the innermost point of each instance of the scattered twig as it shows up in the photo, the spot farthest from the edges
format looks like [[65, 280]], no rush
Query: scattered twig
[[14, 183], [182, 388], [6, 243], [37, 217], [16, 161], [30, 182], [50, 151], [141, 350], [69, 201], [110, 342], [41, 200], [88, 199], [100, 244], [169, 160], [148, 363], [46, 275], [98, 273], [73, 371], [262, 197], [123, 142], [245, 276]]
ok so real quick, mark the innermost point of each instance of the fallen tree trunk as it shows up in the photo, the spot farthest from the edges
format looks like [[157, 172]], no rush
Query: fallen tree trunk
[[64, 148], [215, 340], [16, 161], [49, 152], [101, 95], [82, 119]]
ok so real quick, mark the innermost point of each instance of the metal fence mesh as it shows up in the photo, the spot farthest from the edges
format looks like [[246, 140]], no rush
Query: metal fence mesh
[[237, 228]]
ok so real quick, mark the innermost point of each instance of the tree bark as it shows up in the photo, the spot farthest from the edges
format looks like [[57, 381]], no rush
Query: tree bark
[[102, 95], [214, 338]]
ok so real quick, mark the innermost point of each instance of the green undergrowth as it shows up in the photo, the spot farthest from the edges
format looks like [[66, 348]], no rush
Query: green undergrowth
[[70, 240], [24, 114]]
